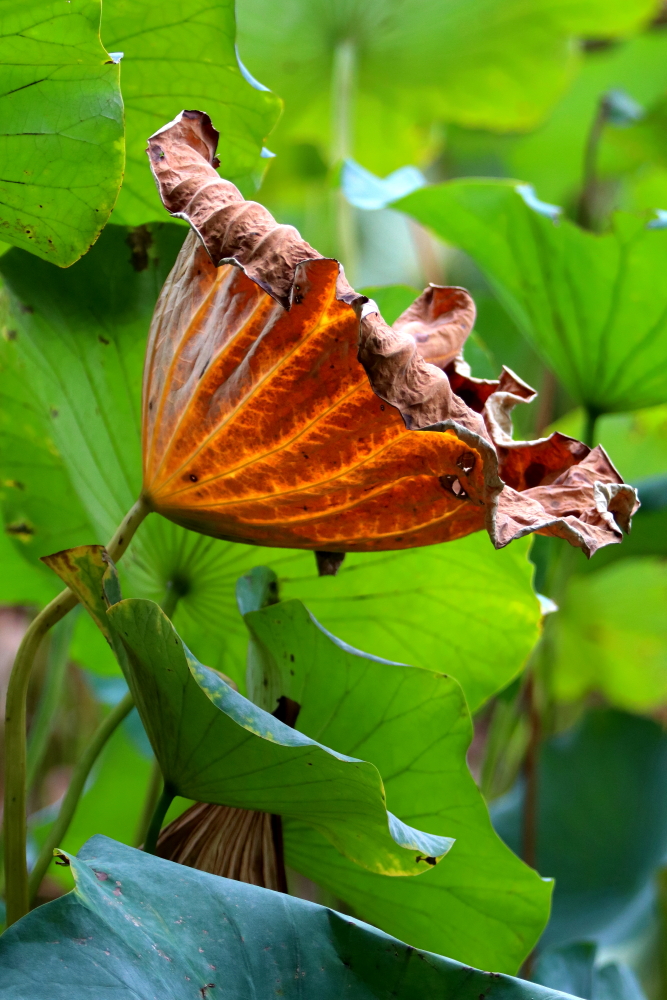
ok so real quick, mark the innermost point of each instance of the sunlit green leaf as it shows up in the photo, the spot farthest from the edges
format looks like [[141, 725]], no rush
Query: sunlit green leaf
[[136, 923], [612, 636], [180, 54], [495, 64], [481, 903], [61, 149], [595, 306]]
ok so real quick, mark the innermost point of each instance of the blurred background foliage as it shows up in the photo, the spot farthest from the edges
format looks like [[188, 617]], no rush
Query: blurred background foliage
[[516, 148]]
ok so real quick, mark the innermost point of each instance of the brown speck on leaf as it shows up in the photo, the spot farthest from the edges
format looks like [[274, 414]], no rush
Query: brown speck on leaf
[[140, 241]]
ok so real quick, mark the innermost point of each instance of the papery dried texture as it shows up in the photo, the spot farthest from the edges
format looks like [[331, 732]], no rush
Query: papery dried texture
[[260, 425], [234, 843]]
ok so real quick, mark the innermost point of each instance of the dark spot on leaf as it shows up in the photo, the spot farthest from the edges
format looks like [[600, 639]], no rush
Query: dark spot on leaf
[[193, 478], [534, 475], [382, 406], [140, 240], [20, 529], [26, 308], [291, 656], [11, 335], [102, 876], [103, 340], [429, 861], [55, 413]]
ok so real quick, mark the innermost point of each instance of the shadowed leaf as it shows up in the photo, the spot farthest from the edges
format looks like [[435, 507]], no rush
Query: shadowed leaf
[[135, 923]]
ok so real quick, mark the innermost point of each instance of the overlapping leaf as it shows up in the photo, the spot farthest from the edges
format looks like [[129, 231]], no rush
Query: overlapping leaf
[[137, 923], [213, 745], [481, 904], [179, 55], [72, 381], [594, 305], [61, 149], [489, 63]]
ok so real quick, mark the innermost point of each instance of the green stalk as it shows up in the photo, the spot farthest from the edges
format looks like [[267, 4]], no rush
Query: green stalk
[[150, 802], [15, 826], [343, 76], [586, 206], [76, 786], [155, 825], [56, 670]]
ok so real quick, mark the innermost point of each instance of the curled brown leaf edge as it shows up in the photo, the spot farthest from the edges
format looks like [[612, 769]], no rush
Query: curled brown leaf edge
[[553, 486]]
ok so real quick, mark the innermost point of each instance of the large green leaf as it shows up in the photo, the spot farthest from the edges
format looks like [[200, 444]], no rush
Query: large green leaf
[[215, 746], [61, 149], [602, 824], [72, 383], [595, 306], [482, 904], [180, 54], [498, 64], [138, 926]]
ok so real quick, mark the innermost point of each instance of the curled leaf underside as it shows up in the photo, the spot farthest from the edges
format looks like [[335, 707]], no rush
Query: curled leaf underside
[[280, 409]]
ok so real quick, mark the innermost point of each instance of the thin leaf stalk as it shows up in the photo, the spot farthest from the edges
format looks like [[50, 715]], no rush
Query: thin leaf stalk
[[165, 800], [15, 819], [56, 670], [343, 85], [83, 768]]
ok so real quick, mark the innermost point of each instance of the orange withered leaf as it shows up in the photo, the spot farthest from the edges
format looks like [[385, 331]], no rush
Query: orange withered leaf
[[280, 409]]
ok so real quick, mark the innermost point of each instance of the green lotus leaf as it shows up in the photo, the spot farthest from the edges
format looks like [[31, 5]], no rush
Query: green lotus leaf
[[498, 64], [180, 54], [62, 148], [72, 378], [213, 745], [595, 306], [482, 904], [136, 924]]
